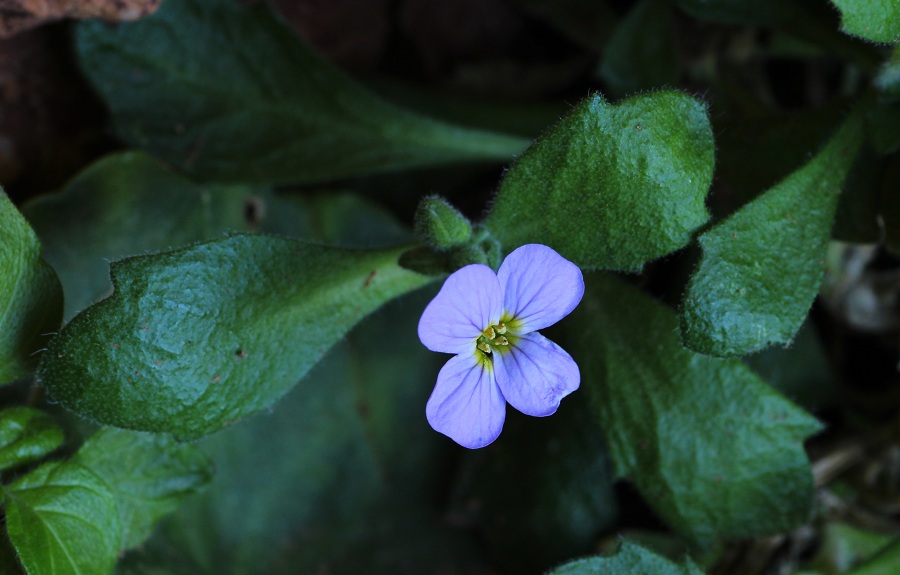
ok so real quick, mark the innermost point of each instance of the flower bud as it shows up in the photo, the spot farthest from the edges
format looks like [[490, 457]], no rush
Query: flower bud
[[439, 225]]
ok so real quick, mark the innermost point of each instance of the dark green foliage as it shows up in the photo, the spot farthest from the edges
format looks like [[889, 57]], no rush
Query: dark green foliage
[[762, 266], [611, 186], [30, 295], [227, 93], [715, 451]]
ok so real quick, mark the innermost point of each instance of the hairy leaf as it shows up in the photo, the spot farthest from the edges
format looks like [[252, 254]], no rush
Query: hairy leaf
[[875, 20], [342, 475], [26, 435], [611, 186], [149, 475], [228, 93], [129, 203], [62, 520], [762, 267], [194, 339], [630, 559], [713, 449], [30, 294]]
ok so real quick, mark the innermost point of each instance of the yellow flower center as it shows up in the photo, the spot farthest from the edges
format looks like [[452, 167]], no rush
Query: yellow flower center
[[492, 338]]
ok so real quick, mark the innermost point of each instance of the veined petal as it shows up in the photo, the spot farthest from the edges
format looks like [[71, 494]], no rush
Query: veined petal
[[466, 404], [469, 302], [535, 374], [540, 287]]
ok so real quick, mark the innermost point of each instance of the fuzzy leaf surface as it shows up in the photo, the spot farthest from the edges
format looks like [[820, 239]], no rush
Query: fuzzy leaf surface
[[762, 267], [30, 295], [629, 559], [713, 449], [611, 186], [355, 420], [194, 339], [130, 203], [875, 20]]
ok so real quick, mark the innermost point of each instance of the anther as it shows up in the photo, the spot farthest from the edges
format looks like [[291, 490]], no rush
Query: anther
[[489, 332], [501, 328], [484, 347], [501, 340]]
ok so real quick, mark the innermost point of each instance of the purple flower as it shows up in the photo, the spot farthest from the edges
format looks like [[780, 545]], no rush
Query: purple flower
[[490, 322]]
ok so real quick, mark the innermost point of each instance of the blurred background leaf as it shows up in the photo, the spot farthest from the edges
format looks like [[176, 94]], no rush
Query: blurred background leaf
[[641, 51], [543, 492], [149, 475], [227, 93], [344, 475]]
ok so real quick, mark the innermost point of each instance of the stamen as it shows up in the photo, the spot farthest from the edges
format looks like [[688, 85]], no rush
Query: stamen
[[484, 347], [489, 332], [501, 328], [500, 340]]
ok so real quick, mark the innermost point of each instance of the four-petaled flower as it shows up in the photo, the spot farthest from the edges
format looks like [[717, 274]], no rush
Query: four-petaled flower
[[490, 322]]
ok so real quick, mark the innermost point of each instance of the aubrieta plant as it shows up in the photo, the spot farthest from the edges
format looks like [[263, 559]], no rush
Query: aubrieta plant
[[672, 224], [490, 322]]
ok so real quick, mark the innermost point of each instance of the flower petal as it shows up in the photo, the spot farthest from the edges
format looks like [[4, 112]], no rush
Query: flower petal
[[535, 374], [469, 302], [540, 287], [466, 404]]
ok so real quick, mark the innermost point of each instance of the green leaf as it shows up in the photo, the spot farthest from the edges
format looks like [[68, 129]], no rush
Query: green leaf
[[124, 205], [714, 450], [30, 295], [887, 562], [149, 475], [630, 559], [344, 475], [196, 338], [26, 435], [226, 92], [129, 203], [762, 267], [543, 492], [62, 520], [611, 186], [843, 546], [641, 52], [875, 20]]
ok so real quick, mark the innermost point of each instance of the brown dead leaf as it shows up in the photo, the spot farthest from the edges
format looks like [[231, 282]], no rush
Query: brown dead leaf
[[19, 15]]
